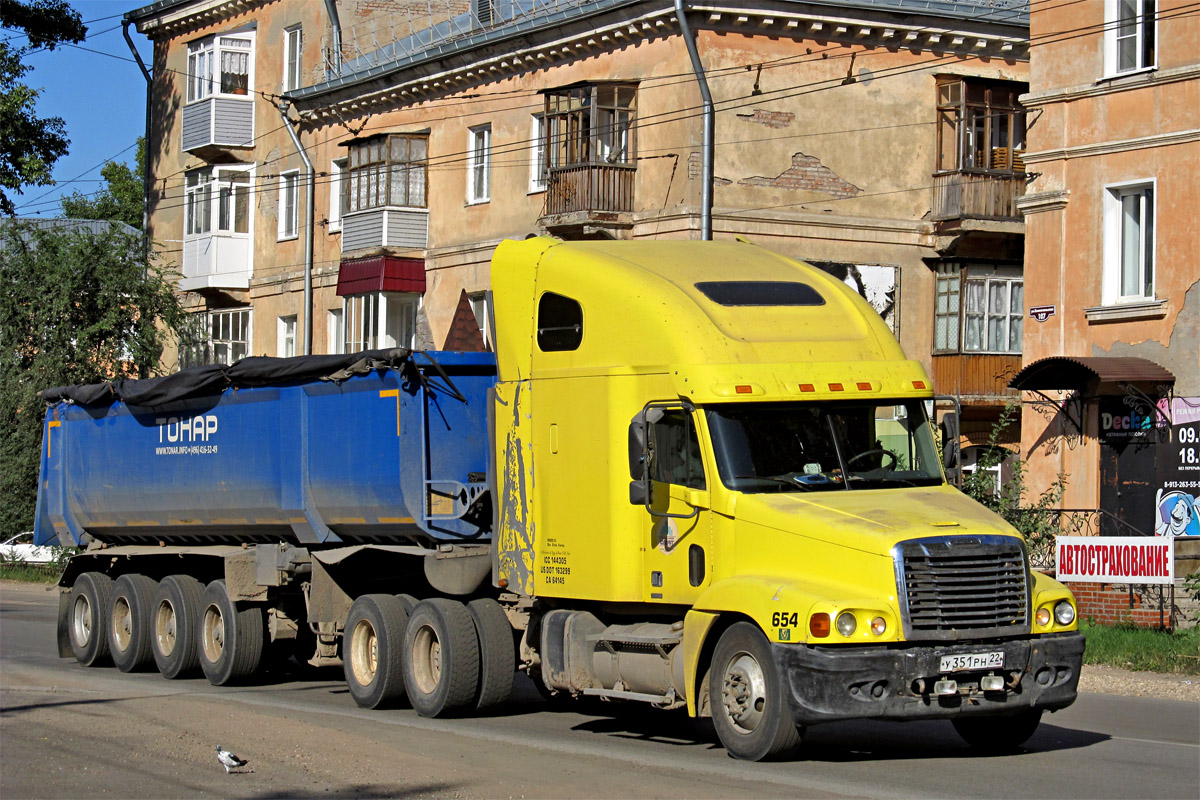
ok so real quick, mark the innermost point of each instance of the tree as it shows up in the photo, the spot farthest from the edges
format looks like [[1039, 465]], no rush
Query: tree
[[122, 199], [75, 307], [29, 145]]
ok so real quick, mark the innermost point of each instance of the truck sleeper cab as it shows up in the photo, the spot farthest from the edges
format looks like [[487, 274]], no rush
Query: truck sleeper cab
[[790, 549]]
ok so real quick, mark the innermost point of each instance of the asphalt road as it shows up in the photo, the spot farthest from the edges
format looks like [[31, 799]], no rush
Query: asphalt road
[[66, 731]]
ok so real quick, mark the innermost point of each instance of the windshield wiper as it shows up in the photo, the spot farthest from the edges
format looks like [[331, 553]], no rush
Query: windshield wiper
[[777, 479]]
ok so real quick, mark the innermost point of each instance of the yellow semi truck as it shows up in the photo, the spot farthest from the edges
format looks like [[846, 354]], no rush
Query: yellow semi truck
[[717, 477], [694, 474]]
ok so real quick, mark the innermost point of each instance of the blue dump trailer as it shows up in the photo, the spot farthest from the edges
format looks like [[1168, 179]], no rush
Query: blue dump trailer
[[233, 517], [392, 452]]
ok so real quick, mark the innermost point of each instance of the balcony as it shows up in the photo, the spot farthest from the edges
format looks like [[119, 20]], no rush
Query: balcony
[[977, 194], [976, 378], [216, 261], [585, 198], [388, 227], [220, 121]]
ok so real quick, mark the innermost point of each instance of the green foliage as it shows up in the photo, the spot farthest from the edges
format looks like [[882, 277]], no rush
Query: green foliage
[[1191, 585], [30, 145], [75, 307], [121, 200], [1030, 512], [1142, 648]]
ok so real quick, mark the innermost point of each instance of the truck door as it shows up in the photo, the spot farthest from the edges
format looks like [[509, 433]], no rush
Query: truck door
[[677, 528]]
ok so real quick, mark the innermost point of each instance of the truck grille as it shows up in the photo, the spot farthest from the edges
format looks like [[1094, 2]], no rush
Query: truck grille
[[963, 587]]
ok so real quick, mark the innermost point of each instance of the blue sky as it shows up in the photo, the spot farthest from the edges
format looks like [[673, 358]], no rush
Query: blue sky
[[101, 98]]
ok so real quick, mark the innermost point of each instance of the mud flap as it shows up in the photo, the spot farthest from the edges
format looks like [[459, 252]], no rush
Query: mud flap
[[64, 623]]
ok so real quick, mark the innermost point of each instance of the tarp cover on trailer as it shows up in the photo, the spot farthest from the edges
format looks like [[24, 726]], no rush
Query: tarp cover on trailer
[[213, 379]]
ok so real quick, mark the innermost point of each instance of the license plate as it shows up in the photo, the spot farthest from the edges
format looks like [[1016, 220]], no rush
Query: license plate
[[966, 661]]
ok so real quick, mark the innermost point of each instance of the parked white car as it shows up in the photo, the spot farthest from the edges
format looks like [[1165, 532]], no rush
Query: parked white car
[[20, 549]]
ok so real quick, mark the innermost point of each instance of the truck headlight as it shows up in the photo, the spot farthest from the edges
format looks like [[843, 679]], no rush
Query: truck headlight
[[846, 623], [879, 626], [1064, 612], [1043, 616]]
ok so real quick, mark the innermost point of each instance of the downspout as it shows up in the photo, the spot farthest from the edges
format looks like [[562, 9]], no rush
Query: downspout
[[706, 169], [310, 183], [146, 142], [336, 25]]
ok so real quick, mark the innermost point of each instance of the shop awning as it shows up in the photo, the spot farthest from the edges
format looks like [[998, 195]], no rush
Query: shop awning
[[1075, 372], [381, 274]]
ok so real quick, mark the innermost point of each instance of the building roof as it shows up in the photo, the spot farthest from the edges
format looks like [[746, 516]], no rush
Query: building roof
[[514, 18]]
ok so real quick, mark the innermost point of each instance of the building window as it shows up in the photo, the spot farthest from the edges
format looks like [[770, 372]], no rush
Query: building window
[[293, 48], [289, 205], [388, 171], [197, 208], [479, 164], [337, 331], [981, 126], [537, 153], [979, 308], [1129, 243], [224, 337], [591, 125], [479, 307], [285, 337], [233, 201], [379, 320], [337, 193], [1130, 33], [220, 64]]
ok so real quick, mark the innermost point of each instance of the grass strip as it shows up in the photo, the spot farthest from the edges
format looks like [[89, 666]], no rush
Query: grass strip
[[1148, 649]]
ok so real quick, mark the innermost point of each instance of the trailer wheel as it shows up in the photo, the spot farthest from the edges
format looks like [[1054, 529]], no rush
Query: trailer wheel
[[89, 618], [748, 698], [441, 658], [998, 734], [130, 621], [497, 653], [176, 614], [231, 639], [373, 650]]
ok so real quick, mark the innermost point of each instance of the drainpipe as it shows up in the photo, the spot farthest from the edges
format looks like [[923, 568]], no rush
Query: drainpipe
[[146, 158], [706, 170], [310, 183], [335, 23]]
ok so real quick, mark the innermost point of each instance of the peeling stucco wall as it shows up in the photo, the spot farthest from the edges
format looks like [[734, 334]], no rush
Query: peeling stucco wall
[[806, 173], [1181, 354]]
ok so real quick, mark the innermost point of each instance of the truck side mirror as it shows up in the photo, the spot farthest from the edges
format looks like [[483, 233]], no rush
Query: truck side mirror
[[949, 431]]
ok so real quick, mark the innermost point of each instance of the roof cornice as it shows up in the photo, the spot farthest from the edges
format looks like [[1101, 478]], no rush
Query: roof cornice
[[172, 18], [459, 65]]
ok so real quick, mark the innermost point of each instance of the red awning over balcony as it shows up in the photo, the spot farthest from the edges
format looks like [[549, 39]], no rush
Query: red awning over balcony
[[381, 274]]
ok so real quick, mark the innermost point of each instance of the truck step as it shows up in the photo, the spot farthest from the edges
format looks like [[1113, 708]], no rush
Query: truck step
[[667, 699]]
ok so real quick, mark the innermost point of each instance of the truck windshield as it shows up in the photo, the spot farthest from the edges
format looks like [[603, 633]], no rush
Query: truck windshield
[[820, 447]]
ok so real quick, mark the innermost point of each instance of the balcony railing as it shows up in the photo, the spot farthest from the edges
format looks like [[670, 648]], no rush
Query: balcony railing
[[977, 195], [218, 122], [976, 376], [217, 261], [387, 226], [590, 187]]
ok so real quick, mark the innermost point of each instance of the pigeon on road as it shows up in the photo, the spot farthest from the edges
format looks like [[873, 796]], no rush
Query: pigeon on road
[[228, 760]]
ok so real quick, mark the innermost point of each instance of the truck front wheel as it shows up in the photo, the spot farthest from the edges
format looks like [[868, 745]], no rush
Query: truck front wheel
[[89, 618], [748, 698], [231, 639], [998, 734], [441, 658], [131, 621], [176, 615], [373, 650]]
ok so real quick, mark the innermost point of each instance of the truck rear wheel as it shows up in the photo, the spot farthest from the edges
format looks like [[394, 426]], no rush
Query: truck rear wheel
[[497, 653], [373, 650], [748, 698], [998, 734], [89, 618], [231, 639], [130, 621], [176, 615], [441, 658]]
